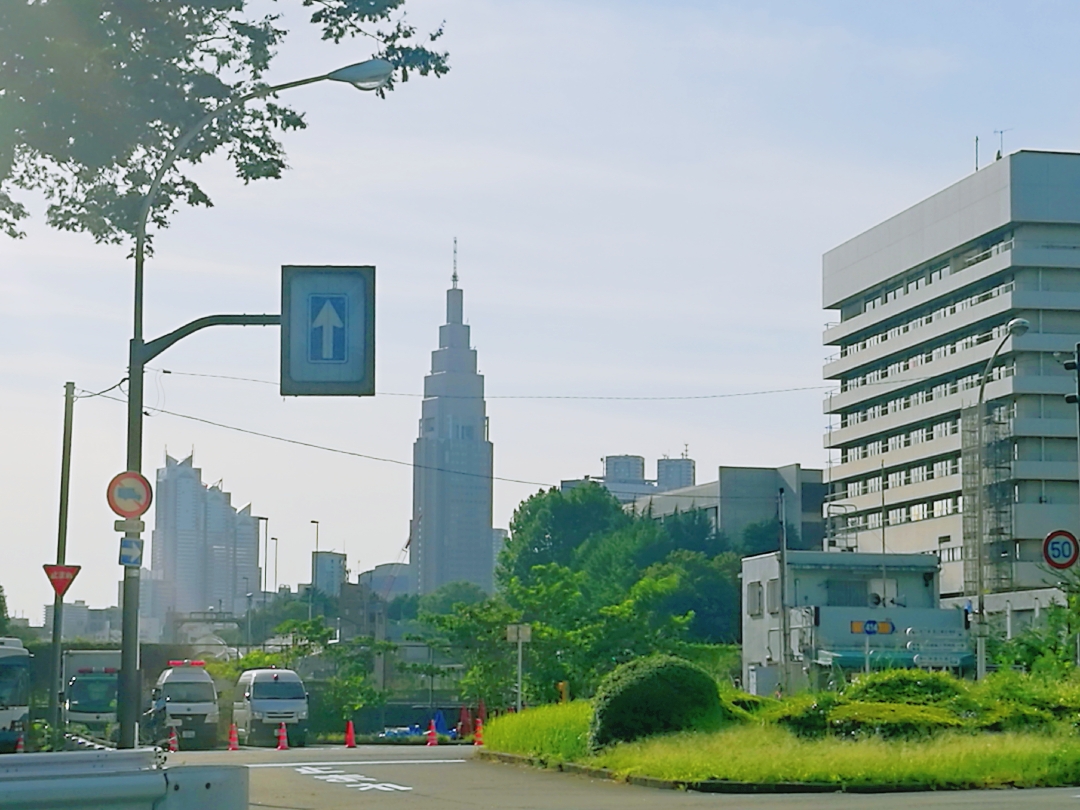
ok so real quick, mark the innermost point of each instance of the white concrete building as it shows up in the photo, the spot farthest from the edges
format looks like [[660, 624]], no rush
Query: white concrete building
[[923, 300]]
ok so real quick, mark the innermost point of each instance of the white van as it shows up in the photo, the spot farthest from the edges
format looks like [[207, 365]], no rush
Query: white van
[[185, 699], [266, 698]]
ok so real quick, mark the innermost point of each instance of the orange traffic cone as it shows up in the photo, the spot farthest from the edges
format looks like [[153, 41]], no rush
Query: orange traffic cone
[[350, 735], [234, 739], [432, 735], [478, 737], [20, 747], [282, 738], [174, 743]]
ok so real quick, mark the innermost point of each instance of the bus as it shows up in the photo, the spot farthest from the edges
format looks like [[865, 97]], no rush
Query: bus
[[14, 694]]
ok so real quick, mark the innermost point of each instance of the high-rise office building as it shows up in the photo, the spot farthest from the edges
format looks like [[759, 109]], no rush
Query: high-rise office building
[[205, 554], [450, 531], [924, 300]]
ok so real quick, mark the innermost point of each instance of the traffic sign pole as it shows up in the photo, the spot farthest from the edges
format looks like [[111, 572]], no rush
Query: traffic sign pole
[[55, 672]]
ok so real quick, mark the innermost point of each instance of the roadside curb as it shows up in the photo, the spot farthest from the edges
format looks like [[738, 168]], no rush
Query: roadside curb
[[706, 786]]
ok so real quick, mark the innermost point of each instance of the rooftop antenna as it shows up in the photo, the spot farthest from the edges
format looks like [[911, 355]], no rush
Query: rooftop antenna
[[454, 277], [976, 153], [1001, 141], [686, 450]]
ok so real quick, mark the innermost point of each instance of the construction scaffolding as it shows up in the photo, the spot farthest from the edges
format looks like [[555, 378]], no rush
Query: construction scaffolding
[[987, 481]]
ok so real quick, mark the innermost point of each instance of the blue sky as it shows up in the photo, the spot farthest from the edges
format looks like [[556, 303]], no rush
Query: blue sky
[[641, 191]]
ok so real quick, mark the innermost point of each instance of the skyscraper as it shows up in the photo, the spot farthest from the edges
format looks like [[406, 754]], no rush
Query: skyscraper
[[205, 554], [451, 523]]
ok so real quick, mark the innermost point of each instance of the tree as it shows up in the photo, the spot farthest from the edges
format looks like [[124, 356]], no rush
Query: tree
[[549, 526], [707, 588], [309, 636], [352, 687], [4, 621], [764, 536], [404, 607], [446, 597], [95, 93]]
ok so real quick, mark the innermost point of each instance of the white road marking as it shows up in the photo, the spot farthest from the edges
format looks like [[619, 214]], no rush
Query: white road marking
[[356, 762], [339, 777]]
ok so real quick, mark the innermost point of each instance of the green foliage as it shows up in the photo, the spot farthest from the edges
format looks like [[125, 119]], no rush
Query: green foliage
[[405, 607], [890, 720], [309, 636], [806, 715], [3, 613], [95, 93], [549, 526], [229, 671], [770, 755], [914, 686], [558, 732], [444, 599], [655, 695], [707, 589], [477, 635], [764, 536]]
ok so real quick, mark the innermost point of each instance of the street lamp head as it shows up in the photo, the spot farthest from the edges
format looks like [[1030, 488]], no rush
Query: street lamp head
[[369, 75], [1018, 326]]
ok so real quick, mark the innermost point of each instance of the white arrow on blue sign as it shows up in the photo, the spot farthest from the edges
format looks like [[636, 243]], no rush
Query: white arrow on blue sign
[[327, 331], [131, 551]]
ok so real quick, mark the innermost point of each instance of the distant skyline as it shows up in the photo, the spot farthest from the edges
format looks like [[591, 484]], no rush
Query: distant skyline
[[642, 193]]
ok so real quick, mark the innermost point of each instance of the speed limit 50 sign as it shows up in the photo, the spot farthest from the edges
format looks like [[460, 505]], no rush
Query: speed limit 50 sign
[[1060, 549]]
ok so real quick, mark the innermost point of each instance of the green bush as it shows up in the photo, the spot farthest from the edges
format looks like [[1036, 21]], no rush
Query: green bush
[[914, 686], [743, 701], [1061, 697], [655, 695], [806, 715], [1008, 716], [891, 720], [559, 731]]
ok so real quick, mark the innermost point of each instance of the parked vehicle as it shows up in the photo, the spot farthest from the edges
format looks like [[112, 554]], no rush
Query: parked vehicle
[[184, 698], [90, 678], [14, 693], [266, 698]]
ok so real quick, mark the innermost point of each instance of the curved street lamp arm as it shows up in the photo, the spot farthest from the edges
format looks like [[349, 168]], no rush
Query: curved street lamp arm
[[989, 368], [170, 159]]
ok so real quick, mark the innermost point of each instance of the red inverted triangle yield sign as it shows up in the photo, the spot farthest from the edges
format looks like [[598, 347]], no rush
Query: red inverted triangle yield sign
[[61, 576]]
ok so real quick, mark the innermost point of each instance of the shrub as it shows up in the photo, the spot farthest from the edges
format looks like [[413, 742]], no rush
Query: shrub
[[1007, 716], [1060, 697], [891, 720], [914, 686], [652, 696], [744, 701], [557, 731], [806, 715]]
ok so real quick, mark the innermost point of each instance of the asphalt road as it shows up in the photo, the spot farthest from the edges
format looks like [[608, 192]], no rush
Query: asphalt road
[[414, 777]]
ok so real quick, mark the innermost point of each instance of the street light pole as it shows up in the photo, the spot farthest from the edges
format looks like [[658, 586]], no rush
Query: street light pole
[[314, 573], [369, 75], [266, 550], [275, 565], [1014, 328], [56, 673]]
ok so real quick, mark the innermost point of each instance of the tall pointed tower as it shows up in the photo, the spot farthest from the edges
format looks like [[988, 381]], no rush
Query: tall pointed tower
[[451, 523]]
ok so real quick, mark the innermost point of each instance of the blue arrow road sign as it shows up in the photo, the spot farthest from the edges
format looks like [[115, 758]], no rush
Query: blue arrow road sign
[[327, 331], [328, 328], [131, 549]]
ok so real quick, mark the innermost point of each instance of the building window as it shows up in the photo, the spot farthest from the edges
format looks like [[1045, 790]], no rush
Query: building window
[[772, 595], [754, 599]]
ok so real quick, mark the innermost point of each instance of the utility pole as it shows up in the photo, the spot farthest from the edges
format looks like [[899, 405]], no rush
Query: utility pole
[[55, 686], [785, 632], [1074, 399]]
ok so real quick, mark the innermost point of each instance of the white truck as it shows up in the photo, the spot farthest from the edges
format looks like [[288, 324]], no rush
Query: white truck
[[90, 680], [14, 694]]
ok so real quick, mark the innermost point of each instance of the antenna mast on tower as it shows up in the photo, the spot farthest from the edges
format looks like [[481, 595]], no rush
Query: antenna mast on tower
[[454, 277]]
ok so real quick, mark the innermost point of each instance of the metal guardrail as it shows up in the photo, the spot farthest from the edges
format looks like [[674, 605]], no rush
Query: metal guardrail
[[127, 780]]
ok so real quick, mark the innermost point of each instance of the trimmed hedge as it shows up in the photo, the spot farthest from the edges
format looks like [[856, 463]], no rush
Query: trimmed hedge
[[805, 715], [655, 695], [912, 686], [891, 720]]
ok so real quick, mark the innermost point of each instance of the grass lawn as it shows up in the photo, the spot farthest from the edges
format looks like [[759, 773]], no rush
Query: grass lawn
[[757, 752]]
